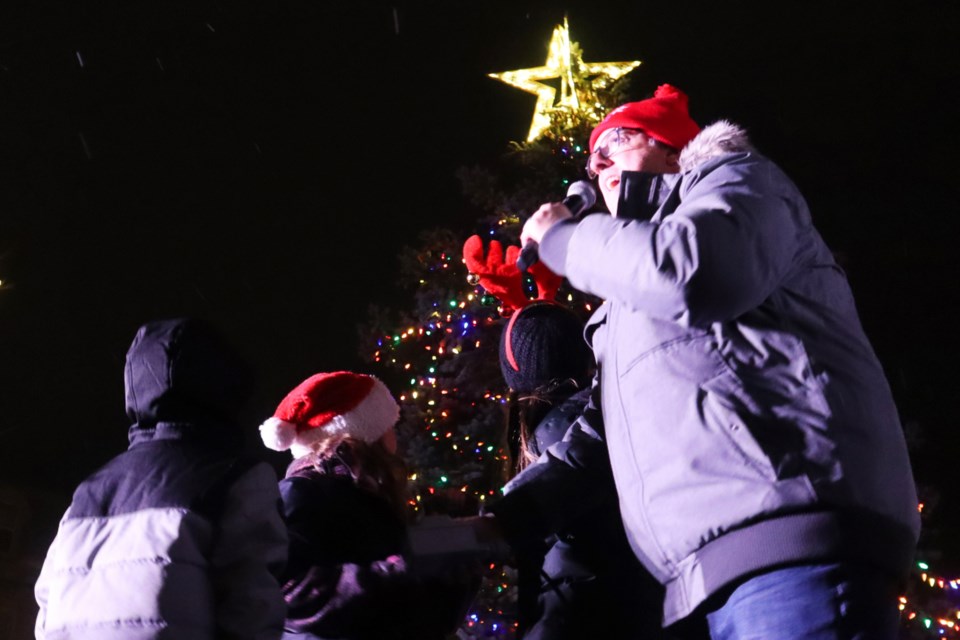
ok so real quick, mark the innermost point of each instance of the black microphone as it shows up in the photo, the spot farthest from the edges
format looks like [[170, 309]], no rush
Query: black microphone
[[580, 197]]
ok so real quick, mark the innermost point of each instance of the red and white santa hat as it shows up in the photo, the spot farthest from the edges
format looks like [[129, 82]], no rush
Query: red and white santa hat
[[330, 404]]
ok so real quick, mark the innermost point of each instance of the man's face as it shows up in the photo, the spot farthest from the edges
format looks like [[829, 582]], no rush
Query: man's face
[[620, 149]]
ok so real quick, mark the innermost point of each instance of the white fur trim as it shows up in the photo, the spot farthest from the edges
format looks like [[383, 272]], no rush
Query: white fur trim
[[713, 140], [368, 421], [278, 434]]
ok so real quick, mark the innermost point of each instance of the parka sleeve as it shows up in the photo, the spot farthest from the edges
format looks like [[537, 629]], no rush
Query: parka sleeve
[[250, 553], [41, 590], [732, 239]]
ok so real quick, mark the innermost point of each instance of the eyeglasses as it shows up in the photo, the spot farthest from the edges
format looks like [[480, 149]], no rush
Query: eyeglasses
[[612, 142]]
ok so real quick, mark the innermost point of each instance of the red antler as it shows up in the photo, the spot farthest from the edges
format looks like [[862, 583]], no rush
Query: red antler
[[499, 275], [548, 283]]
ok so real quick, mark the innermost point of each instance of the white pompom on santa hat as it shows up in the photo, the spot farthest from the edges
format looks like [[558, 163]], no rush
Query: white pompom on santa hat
[[330, 404]]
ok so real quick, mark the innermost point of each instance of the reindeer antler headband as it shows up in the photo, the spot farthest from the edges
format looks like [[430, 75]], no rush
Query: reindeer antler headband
[[500, 276]]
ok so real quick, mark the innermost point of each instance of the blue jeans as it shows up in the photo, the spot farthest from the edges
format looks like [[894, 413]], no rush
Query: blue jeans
[[837, 601]]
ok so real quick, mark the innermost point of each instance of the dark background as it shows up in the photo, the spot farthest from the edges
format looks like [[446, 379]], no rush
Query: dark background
[[260, 164]]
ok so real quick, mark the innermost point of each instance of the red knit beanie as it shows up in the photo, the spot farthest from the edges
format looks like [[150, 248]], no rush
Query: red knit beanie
[[663, 117], [329, 404]]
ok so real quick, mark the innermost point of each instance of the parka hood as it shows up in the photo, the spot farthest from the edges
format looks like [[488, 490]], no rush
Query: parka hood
[[714, 140], [182, 371]]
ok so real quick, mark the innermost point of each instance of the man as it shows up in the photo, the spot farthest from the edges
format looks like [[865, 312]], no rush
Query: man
[[761, 468], [179, 536]]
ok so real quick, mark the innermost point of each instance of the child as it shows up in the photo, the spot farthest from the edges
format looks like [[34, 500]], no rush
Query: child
[[578, 577], [179, 536], [590, 584], [344, 500]]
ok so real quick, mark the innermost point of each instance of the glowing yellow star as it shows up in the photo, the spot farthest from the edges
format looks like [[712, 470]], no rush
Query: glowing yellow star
[[564, 61]]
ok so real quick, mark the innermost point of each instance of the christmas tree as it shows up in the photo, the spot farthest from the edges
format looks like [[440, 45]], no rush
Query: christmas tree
[[440, 354]]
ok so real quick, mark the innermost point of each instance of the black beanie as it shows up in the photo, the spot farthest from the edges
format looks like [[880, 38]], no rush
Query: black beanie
[[542, 342]]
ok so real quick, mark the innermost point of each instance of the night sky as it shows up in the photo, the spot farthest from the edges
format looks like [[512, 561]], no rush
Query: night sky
[[259, 164]]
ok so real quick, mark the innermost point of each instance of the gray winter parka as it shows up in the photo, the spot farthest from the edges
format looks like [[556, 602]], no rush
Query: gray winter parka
[[748, 420]]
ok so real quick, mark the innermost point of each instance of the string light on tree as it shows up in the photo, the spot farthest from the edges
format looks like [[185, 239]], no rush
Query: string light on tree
[[931, 606]]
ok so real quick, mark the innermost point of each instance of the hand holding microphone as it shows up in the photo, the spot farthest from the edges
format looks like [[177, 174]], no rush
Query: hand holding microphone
[[580, 197]]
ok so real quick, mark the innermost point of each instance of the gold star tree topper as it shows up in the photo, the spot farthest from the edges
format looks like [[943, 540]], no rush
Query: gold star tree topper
[[579, 81]]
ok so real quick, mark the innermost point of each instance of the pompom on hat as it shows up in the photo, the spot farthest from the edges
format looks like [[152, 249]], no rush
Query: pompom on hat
[[664, 117], [330, 404]]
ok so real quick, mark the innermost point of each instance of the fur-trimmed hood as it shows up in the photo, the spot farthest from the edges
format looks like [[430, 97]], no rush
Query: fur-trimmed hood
[[714, 140]]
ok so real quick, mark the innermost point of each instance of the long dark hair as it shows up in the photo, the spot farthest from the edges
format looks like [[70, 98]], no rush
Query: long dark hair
[[370, 464], [544, 360], [527, 411]]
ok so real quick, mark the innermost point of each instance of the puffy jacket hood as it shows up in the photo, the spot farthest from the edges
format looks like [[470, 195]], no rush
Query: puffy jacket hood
[[714, 140], [182, 371]]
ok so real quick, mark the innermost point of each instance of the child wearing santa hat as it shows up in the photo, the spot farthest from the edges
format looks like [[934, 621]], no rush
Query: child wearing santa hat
[[344, 502]]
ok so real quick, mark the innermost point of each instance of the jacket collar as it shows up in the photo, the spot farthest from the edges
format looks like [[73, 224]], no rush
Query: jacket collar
[[220, 435], [714, 140]]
